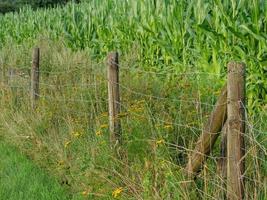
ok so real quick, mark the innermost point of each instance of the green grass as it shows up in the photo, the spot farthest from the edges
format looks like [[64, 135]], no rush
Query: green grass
[[20, 179]]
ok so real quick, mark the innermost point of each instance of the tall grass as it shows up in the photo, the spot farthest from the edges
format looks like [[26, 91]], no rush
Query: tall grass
[[162, 117], [168, 34], [21, 179]]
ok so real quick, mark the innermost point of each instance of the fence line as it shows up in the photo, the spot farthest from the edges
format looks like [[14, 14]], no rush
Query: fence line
[[102, 63], [66, 100], [163, 98], [73, 85], [163, 122], [128, 89], [118, 109], [160, 73]]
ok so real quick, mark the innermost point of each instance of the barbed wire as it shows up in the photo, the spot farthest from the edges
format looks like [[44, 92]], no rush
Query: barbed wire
[[103, 63], [89, 68], [111, 62], [124, 87], [163, 98], [80, 100], [193, 101], [64, 99], [82, 85]]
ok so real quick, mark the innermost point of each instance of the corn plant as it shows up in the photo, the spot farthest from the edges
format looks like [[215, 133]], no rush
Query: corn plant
[[168, 34]]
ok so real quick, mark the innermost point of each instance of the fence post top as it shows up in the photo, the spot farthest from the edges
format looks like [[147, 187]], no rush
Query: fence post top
[[113, 54], [236, 67], [113, 59], [36, 48]]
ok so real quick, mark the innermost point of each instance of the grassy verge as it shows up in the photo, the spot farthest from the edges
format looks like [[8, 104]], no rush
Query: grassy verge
[[20, 179]]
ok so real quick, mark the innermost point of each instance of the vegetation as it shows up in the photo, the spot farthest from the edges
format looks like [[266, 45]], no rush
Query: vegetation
[[14, 5], [20, 179], [179, 35], [173, 58], [6, 7]]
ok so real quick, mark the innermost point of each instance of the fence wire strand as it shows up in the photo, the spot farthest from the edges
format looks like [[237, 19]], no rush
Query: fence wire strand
[[154, 119]]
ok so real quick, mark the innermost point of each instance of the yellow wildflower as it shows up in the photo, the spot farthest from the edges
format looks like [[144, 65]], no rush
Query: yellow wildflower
[[159, 142], [104, 126], [117, 192], [104, 114], [98, 133], [139, 109], [168, 126], [67, 143], [76, 134], [141, 101], [60, 162], [136, 108], [85, 193], [121, 115]]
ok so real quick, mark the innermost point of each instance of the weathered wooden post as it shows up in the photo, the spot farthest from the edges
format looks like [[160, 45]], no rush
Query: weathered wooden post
[[235, 130], [209, 135], [114, 98], [35, 77], [222, 163]]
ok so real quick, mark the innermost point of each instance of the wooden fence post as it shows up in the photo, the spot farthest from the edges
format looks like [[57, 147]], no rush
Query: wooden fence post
[[209, 135], [35, 77], [222, 163], [114, 98], [236, 129]]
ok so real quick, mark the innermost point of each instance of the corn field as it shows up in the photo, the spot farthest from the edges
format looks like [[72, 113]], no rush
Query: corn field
[[167, 35]]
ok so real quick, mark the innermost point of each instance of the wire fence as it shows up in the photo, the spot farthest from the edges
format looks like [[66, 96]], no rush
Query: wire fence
[[160, 112], [57, 83]]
